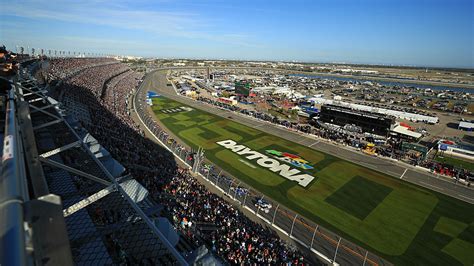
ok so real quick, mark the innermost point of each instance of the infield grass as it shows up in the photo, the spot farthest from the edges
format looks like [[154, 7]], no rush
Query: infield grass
[[403, 223]]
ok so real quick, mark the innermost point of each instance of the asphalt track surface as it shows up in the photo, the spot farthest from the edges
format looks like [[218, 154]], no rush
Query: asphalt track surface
[[323, 241], [156, 81]]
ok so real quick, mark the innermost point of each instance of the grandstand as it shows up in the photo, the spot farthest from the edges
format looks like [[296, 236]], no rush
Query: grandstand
[[369, 122], [398, 114], [73, 155], [81, 159], [67, 175]]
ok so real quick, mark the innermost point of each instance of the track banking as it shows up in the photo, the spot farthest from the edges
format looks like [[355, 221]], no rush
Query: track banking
[[271, 164]]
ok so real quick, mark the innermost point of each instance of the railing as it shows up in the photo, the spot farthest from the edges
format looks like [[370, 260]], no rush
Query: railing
[[328, 246], [12, 191]]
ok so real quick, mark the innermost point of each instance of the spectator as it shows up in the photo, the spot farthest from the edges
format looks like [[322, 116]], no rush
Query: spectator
[[98, 92]]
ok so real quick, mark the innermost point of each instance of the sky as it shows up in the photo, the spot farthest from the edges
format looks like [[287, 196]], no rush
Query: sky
[[391, 32]]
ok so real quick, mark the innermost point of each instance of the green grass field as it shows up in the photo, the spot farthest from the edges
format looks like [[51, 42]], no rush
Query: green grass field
[[401, 222]]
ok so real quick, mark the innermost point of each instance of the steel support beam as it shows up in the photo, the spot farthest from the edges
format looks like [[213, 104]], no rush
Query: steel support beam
[[74, 171], [60, 149]]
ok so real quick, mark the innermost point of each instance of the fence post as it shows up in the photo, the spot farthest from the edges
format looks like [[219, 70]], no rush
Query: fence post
[[194, 165], [314, 234], [198, 161], [365, 258], [230, 186], [337, 247], [201, 164], [198, 170], [293, 225], [217, 179], [274, 214], [176, 147]]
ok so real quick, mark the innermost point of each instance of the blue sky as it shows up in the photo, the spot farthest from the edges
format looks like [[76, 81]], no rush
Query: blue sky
[[401, 32]]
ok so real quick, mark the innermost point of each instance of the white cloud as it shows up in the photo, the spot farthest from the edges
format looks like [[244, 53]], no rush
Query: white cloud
[[118, 15]]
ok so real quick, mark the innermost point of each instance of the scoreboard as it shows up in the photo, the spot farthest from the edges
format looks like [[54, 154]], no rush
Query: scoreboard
[[242, 88]]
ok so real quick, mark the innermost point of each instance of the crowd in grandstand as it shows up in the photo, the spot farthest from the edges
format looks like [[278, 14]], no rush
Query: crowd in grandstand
[[104, 88], [60, 68], [237, 239]]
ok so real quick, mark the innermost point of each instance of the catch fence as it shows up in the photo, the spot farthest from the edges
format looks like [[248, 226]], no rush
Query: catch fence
[[328, 246]]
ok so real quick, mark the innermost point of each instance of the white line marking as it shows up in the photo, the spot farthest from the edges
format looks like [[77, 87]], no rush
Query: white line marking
[[247, 163], [315, 143], [301, 141], [370, 166], [462, 196], [431, 185], [406, 169]]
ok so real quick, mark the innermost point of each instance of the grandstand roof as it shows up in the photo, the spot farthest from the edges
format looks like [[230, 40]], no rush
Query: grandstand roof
[[466, 125], [398, 114], [356, 111], [404, 131]]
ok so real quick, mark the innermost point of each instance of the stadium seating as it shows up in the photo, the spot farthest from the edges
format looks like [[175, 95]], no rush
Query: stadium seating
[[97, 93]]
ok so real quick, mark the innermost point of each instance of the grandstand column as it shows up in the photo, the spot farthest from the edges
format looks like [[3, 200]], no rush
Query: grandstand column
[[293, 225], [274, 214], [314, 234]]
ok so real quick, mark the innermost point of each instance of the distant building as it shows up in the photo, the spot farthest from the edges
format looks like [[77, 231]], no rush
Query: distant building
[[373, 123], [462, 150], [404, 132]]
